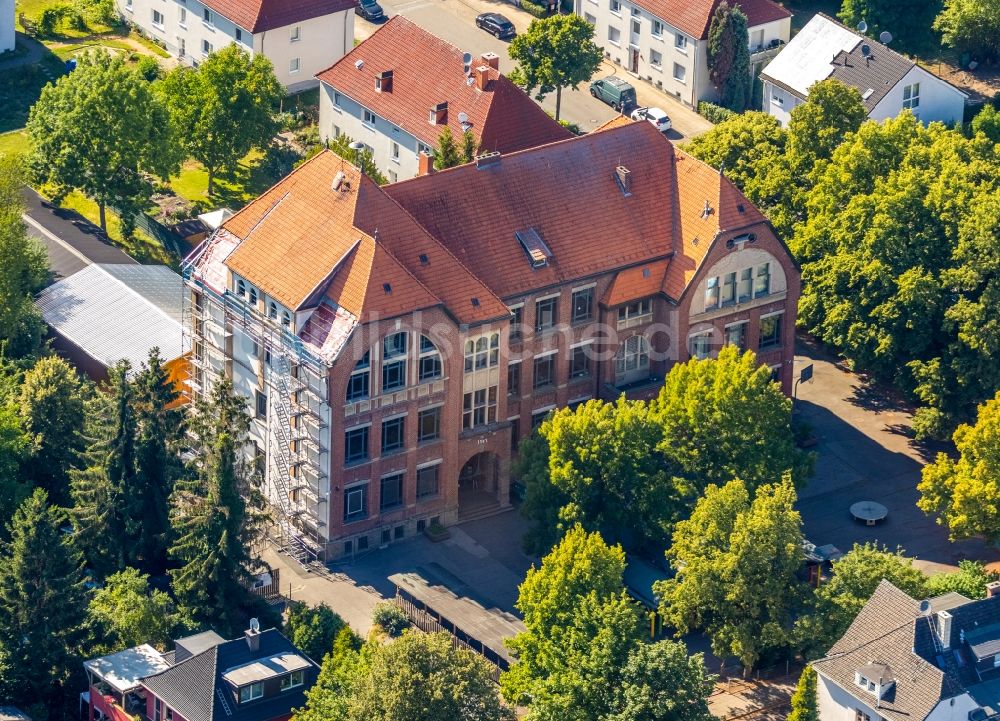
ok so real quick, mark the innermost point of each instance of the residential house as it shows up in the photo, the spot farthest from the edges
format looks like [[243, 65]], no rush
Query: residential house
[[105, 313], [397, 342], [398, 90], [666, 41], [908, 660], [6, 25], [887, 81], [260, 677], [299, 38]]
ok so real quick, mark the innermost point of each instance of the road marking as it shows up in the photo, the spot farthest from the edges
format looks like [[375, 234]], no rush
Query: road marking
[[45, 231]]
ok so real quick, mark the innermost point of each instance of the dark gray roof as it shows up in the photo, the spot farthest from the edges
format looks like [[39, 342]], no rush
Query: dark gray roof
[[195, 689], [193, 645], [879, 73], [948, 601]]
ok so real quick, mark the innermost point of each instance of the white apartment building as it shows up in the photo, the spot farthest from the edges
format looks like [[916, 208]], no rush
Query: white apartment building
[[666, 43], [6, 25], [299, 38], [888, 82], [398, 90]]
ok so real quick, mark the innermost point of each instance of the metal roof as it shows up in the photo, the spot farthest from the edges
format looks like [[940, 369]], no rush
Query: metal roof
[[115, 312], [123, 670]]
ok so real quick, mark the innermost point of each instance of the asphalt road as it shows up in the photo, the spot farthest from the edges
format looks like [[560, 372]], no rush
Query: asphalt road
[[454, 22]]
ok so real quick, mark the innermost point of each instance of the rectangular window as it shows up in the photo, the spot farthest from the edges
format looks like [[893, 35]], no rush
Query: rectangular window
[[479, 407], [590, 18], [292, 680], [182, 20], [711, 293], [157, 709], [393, 375], [393, 175], [390, 492], [128, 6], [860, 715], [546, 313], [656, 58], [261, 404], [429, 367], [158, 18], [394, 150], [427, 482], [680, 72], [770, 332], [746, 285], [296, 34], [515, 435], [616, 7], [636, 26], [358, 385], [252, 692], [635, 311], [394, 346], [393, 434], [729, 289], [579, 362], [700, 345], [736, 334], [206, 49], [680, 41], [369, 117], [429, 425], [356, 445], [762, 286], [514, 379], [516, 322], [583, 305], [614, 35], [293, 65], [356, 504], [545, 371], [657, 29], [239, 35], [207, 16], [911, 96], [483, 352]]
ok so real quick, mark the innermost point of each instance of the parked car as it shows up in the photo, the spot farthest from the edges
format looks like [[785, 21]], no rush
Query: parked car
[[657, 116], [614, 91], [496, 24], [369, 10]]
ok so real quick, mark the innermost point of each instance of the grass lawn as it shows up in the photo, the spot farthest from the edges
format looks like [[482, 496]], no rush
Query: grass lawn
[[14, 142], [233, 191], [20, 88], [141, 247]]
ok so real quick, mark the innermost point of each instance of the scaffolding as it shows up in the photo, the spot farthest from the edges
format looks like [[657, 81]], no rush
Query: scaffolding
[[295, 380]]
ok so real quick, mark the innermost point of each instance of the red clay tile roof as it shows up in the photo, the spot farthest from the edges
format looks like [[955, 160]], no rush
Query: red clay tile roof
[[302, 238], [638, 282], [427, 71], [694, 16], [259, 15]]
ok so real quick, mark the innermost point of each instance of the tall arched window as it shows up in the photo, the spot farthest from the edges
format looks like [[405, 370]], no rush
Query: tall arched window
[[359, 385], [429, 362], [632, 360]]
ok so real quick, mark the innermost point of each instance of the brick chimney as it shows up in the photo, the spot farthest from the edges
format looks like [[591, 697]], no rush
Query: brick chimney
[[425, 163], [491, 59], [383, 83], [252, 635], [482, 77], [439, 114], [487, 160], [624, 176], [992, 589]]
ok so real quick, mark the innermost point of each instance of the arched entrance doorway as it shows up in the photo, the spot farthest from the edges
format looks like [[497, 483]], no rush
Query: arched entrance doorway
[[478, 482]]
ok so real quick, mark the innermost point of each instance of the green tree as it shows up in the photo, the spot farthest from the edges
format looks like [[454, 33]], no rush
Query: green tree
[[364, 159], [329, 697], [556, 52], [446, 155], [313, 629], [14, 446], [987, 122], [605, 472], [223, 109], [970, 580], [736, 564], [855, 578], [101, 487], [728, 56], [661, 682], [43, 607], [804, 701], [424, 677], [909, 23], [217, 516], [129, 613], [469, 147], [965, 493], [724, 418], [102, 131], [159, 429], [51, 405], [24, 269], [971, 26]]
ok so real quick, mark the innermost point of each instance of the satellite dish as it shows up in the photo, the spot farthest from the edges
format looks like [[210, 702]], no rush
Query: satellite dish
[[357, 145], [885, 37], [862, 27], [255, 625], [925, 608], [866, 50], [467, 59], [463, 118]]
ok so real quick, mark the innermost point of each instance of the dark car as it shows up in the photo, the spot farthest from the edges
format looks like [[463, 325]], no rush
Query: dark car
[[369, 10], [496, 24], [614, 91]]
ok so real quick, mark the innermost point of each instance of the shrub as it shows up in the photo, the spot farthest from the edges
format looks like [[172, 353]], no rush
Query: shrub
[[149, 68], [539, 11], [390, 618], [715, 113]]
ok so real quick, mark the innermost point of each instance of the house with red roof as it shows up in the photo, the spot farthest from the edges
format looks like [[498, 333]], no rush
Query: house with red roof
[[666, 41], [398, 90], [396, 343], [299, 37]]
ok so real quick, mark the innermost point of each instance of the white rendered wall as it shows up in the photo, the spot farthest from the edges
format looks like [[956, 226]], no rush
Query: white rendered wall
[[938, 100], [322, 42]]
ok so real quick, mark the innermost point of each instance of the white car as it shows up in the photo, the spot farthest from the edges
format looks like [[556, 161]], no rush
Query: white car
[[659, 119]]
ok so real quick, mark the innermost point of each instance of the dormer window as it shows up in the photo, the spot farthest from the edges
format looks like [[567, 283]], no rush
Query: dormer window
[[286, 319], [241, 288], [272, 310], [251, 692], [292, 680]]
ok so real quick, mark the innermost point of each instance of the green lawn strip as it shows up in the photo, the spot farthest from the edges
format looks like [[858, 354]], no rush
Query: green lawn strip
[[233, 191], [16, 141]]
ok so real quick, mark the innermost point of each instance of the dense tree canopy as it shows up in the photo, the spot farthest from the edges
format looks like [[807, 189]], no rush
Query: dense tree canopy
[[729, 56], [804, 700], [556, 52], [909, 23], [971, 26], [313, 629], [127, 613]]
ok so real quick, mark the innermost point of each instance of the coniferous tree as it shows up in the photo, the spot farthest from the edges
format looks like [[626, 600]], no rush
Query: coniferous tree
[[158, 430], [729, 56], [804, 698], [468, 147], [217, 515], [43, 607], [447, 154]]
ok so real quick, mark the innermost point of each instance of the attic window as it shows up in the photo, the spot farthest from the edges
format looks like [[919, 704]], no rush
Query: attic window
[[424, 260], [475, 302], [538, 252], [438, 114], [383, 82], [645, 272], [387, 288], [867, 94], [740, 208]]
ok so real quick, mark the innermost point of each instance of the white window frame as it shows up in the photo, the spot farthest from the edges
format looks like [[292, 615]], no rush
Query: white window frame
[[158, 25], [911, 96], [616, 7], [656, 59], [680, 43], [368, 117], [682, 78], [694, 344], [182, 20], [482, 352], [296, 34], [294, 680], [657, 29], [250, 688], [632, 358], [294, 66], [394, 150], [206, 48], [611, 39]]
